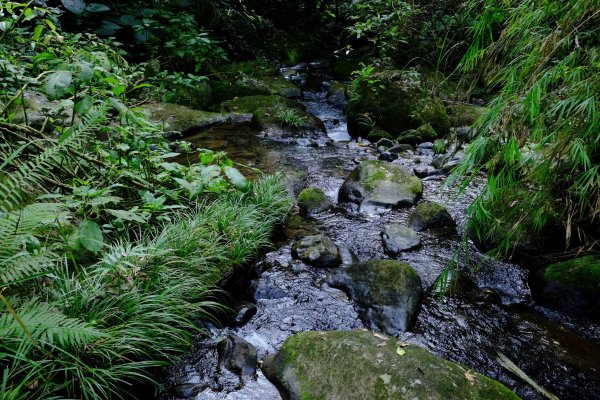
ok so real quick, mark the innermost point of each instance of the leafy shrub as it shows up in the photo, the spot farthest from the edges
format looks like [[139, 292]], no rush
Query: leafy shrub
[[539, 140]]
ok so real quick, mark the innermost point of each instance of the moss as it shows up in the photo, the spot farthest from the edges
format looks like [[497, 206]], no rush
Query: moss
[[464, 114], [181, 118], [313, 200], [429, 215], [389, 275], [351, 364], [427, 132], [377, 133], [581, 272]]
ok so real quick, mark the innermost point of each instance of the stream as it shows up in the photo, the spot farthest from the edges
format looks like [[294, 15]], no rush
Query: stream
[[492, 311]]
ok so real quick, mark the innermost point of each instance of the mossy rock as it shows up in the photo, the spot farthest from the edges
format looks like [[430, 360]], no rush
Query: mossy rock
[[400, 100], [464, 114], [387, 293], [429, 215], [382, 184], [573, 285], [411, 137], [266, 109], [377, 133], [318, 251], [427, 133], [358, 365], [187, 120], [251, 79], [313, 200], [336, 94]]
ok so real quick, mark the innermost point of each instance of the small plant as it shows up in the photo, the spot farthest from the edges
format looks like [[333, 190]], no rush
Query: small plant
[[439, 146], [291, 118]]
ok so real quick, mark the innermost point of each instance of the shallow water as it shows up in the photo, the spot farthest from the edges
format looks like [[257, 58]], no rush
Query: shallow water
[[493, 314]]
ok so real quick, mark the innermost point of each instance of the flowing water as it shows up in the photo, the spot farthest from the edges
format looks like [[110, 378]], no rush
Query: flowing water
[[491, 312]]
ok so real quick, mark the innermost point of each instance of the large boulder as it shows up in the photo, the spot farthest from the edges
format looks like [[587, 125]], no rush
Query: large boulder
[[381, 184], [398, 238], [464, 114], [187, 120], [387, 293], [251, 79], [336, 94], [430, 215], [237, 355], [37, 109], [399, 100], [572, 286], [273, 112], [358, 365], [317, 250]]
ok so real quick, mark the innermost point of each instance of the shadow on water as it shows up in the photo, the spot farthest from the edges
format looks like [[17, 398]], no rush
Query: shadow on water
[[494, 314]]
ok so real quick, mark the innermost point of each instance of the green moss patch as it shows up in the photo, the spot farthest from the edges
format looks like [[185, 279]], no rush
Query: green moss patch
[[580, 273]]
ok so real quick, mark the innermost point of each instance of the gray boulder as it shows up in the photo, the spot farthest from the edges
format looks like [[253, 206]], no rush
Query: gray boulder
[[317, 250], [381, 184], [387, 293], [398, 238]]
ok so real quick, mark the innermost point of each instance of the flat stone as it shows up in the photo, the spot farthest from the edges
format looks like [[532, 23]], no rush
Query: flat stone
[[398, 238]]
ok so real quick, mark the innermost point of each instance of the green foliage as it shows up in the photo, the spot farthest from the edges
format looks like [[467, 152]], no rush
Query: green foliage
[[101, 273], [385, 24], [539, 140]]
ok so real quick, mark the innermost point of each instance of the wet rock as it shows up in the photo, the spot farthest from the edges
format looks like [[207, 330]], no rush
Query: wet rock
[[357, 365], [430, 215], [464, 114], [245, 312], [318, 251], [237, 355], [187, 120], [572, 286], [188, 390], [387, 293], [251, 79], [381, 184], [400, 148], [336, 94], [425, 145], [463, 132], [38, 108], [447, 162], [402, 103], [385, 143], [398, 238], [313, 200], [424, 171], [389, 157]]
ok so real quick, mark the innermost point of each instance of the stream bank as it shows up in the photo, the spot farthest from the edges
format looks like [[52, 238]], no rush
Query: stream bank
[[491, 311]]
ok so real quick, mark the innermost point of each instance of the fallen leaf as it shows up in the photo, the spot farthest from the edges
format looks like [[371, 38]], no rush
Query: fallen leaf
[[470, 377], [386, 378], [400, 351], [380, 336]]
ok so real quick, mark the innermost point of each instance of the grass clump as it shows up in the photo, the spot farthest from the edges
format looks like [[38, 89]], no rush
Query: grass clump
[[291, 118]]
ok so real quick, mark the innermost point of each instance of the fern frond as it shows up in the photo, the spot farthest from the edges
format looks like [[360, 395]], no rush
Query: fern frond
[[46, 325]]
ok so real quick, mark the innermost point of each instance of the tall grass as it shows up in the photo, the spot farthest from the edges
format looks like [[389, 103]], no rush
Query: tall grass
[[540, 140], [95, 332]]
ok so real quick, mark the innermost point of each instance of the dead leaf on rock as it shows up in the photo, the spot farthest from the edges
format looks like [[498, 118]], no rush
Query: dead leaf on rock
[[470, 377]]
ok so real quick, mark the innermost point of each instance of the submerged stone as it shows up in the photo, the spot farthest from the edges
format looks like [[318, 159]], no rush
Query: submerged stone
[[381, 184], [387, 293], [359, 365]]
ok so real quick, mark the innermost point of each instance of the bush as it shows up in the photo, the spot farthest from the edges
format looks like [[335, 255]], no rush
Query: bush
[[539, 139]]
